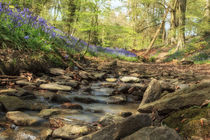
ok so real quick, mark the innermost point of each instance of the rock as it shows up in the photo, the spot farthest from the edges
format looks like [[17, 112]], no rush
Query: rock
[[102, 92], [167, 86], [111, 79], [23, 83], [152, 132], [192, 96], [8, 91], [86, 100], [125, 114], [99, 75], [84, 75], [130, 79], [71, 83], [187, 62], [54, 86], [109, 119], [59, 98], [22, 119], [152, 93], [71, 106], [26, 135], [46, 133], [120, 130], [11, 103], [57, 71], [70, 131], [117, 99], [46, 113]]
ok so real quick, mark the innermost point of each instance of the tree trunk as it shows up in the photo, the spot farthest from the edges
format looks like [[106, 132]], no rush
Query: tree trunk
[[181, 29], [173, 21], [157, 32]]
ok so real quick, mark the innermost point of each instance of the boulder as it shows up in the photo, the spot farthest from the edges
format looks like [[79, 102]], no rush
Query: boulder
[[22, 119], [70, 131], [57, 71], [130, 79], [120, 130], [192, 96], [152, 93], [54, 86], [154, 133]]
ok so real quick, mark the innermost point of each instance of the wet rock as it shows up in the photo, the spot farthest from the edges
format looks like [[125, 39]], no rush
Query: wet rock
[[71, 83], [57, 71], [111, 79], [26, 135], [102, 92], [71, 106], [159, 133], [152, 93], [117, 99], [22, 119], [59, 98], [84, 100], [194, 95], [120, 130], [70, 131], [125, 114], [46, 113], [54, 86], [130, 79], [109, 119]]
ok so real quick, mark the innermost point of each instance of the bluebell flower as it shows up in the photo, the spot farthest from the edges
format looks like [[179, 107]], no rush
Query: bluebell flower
[[26, 37]]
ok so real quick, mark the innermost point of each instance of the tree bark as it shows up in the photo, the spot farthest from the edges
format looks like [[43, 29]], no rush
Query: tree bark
[[182, 4], [157, 32]]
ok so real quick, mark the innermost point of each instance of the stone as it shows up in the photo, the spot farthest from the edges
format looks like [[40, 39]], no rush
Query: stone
[[152, 132], [23, 83], [71, 83], [57, 71], [102, 91], [59, 98], [192, 96], [70, 131], [116, 99], [125, 114], [84, 75], [111, 79], [46, 113], [99, 75], [109, 119], [55, 87], [22, 119], [152, 93], [8, 91], [71, 106], [12, 103], [46, 133], [120, 130], [26, 135], [130, 79]]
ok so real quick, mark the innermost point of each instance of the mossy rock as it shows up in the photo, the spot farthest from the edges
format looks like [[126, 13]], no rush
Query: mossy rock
[[189, 122]]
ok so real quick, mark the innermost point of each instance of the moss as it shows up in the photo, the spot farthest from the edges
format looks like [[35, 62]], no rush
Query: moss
[[188, 123]]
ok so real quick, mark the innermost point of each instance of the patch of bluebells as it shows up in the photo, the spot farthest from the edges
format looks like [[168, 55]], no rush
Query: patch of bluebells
[[19, 18]]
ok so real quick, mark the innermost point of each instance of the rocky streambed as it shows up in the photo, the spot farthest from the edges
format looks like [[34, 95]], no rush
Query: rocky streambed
[[105, 102]]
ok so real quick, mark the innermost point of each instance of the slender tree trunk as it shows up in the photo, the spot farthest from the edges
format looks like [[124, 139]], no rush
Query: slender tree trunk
[[157, 32], [181, 29], [173, 21]]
